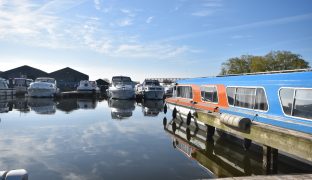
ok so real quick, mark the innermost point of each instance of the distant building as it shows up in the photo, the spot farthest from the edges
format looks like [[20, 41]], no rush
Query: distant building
[[68, 79], [102, 84], [24, 71]]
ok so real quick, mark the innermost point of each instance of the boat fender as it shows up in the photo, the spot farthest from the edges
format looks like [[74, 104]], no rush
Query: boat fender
[[188, 134], [174, 113], [165, 109], [174, 127], [188, 118], [235, 121], [165, 121]]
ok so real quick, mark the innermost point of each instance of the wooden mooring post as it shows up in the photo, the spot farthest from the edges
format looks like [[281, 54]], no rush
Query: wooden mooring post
[[270, 157], [273, 139]]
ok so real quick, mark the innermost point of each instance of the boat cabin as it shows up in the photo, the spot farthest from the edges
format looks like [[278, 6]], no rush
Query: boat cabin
[[279, 99]]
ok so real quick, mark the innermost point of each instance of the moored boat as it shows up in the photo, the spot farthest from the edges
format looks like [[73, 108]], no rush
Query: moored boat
[[43, 87], [121, 88], [86, 86], [150, 89], [5, 90], [283, 100]]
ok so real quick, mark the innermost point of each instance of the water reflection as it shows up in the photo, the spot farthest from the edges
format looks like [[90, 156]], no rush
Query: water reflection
[[67, 105], [45, 105], [42, 105], [222, 156], [121, 109], [87, 103], [5, 106], [21, 104], [87, 144], [151, 107]]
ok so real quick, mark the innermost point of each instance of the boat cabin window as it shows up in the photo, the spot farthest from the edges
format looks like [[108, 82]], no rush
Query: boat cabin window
[[296, 102], [184, 92], [209, 93], [245, 97]]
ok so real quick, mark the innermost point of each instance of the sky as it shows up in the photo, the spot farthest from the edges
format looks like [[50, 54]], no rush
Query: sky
[[149, 38]]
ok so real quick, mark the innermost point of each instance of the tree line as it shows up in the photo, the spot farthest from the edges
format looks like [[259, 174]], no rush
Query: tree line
[[273, 61]]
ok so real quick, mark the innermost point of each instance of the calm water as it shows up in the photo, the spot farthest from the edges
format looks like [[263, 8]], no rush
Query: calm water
[[100, 139]]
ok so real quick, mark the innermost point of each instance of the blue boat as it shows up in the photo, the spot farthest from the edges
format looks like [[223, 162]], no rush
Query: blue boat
[[283, 100]]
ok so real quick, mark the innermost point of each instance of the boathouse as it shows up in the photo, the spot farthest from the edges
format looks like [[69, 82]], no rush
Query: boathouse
[[68, 78], [23, 71], [102, 84]]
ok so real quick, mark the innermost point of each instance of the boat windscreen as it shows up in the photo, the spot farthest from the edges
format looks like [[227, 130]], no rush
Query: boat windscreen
[[48, 80], [152, 83], [121, 79]]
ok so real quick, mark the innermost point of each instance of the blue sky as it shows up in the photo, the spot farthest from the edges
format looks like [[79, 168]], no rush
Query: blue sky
[[145, 38]]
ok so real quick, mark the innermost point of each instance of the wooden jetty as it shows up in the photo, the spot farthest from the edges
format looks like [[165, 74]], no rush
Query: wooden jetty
[[271, 138]]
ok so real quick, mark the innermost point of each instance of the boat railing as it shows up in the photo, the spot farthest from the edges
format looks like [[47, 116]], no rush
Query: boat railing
[[268, 72]]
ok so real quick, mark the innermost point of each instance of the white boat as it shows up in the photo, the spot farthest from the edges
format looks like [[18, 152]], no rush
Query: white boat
[[150, 89], [5, 90], [43, 87], [121, 88], [168, 90], [86, 86]]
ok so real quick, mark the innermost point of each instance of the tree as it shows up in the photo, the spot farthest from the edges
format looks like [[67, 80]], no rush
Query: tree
[[273, 61]]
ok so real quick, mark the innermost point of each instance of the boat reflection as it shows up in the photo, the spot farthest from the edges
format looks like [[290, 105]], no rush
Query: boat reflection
[[221, 156], [21, 104], [45, 105], [86, 103], [42, 105], [121, 109], [151, 107], [6, 104], [67, 105]]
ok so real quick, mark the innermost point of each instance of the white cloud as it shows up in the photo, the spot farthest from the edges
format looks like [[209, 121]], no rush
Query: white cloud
[[153, 51], [97, 4], [40, 25], [128, 12], [203, 13], [212, 3], [265, 23], [207, 8], [241, 37], [33, 24], [125, 22], [149, 19]]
